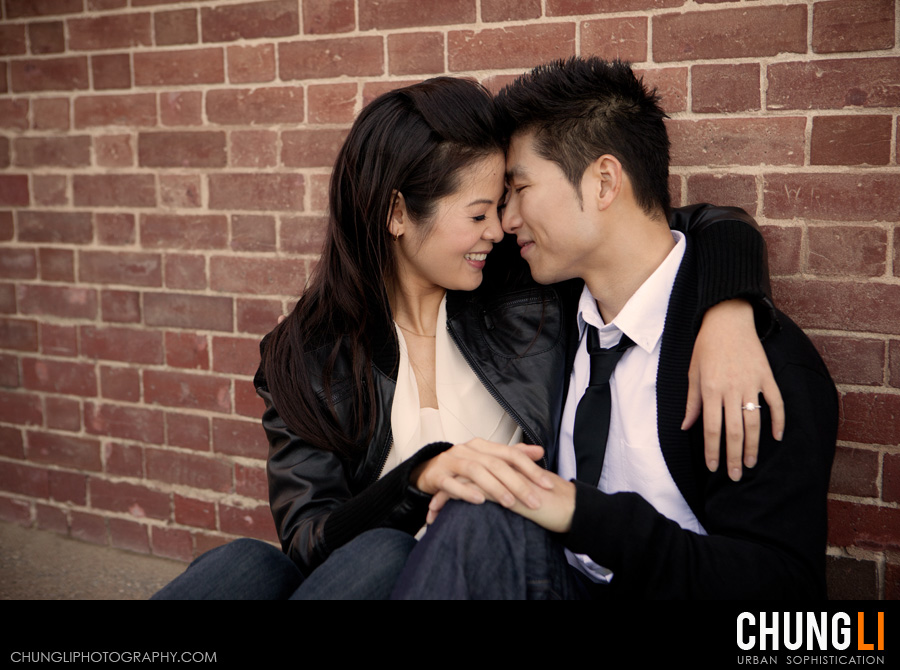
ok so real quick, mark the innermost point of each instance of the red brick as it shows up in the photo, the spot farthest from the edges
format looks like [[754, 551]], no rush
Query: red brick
[[188, 67], [835, 197], [187, 350], [4, 84], [332, 103], [103, 5], [354, 56], [47, 37], [172, 543], [18, 263], [184, 108], [725, 88], [115, 229], [187, 391], [416, 53], [113, 151], [768, 141], [179, 190], [121, 31], [15, 511], [248, 522], [12, 444], [895, 363], [170, 231], [55, 227], [18, 334], [236, 355], [510, 10], [51, 113], [72, 452], [53, 151], [251, 63], [63, 413], [68, 487], [251, 482], [7, 229], [851, 140], [52, 518], [670, 84], [57, 264], [49, 190], [129, 536], [252, 106], [871, 418], [120, 383], [891, 478], [847, 250], [200, 472], [130, 345], [864, 526], [114, 190], [851, 306], [891, 582], [855, 472], [253, 233], [21, 408], [111, 71], [138, 501], [852, 360], [88, 527], [182, 149], [14, 113], [188, 311], [274, 18], [175, 27], [123, 459], [120, 306], [115, 110], [570, 7], [12, 40], [735, 189], [49, 74], [851, 579], [246, 402], [730, 33], [5, 160], [853, 25], [373, 89], [256, 275], [382, 14], [17, 8], [13, 190], [9, 372], [59, 376], [833, 84], [311, 148], [619, 38], [253, 148], [185, 271], [239, 438], [119, 267], [188, 431], [328, 16], [196, 513], [784, 243], [257, 316], [24, 480], [58, 340], [252, 191], [69, 303], [512, 47]]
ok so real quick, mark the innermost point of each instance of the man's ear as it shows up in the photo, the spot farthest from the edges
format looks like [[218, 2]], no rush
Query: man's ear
[[606, 181], [399, 218]]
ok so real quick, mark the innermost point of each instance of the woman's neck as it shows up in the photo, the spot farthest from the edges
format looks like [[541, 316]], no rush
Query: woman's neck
[[416, 308]]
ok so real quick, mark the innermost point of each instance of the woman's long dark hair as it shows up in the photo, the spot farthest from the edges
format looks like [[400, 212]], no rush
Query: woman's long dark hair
[[414, 141]]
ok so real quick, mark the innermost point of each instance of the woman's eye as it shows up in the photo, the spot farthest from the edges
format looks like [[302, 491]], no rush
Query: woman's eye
[[479, 218]]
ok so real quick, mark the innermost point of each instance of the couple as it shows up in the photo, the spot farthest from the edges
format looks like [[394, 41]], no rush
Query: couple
[[425, 376]]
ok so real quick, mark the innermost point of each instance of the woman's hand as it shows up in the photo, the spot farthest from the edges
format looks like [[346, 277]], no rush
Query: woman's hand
[[728, 370], [480, 470]]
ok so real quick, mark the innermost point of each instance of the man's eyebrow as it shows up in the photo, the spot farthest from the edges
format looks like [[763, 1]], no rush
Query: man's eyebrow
[[516, 171]]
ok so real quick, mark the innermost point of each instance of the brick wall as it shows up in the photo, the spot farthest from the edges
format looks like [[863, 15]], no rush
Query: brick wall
[[163, 166]]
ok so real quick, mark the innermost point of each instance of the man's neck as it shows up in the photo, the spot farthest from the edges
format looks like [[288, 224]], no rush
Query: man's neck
[[635, 248]]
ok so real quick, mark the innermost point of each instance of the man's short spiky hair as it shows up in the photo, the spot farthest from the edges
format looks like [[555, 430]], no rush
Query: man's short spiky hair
[[582, 108]]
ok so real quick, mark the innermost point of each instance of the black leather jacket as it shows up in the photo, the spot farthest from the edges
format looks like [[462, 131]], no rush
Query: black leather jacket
[[512, 332]]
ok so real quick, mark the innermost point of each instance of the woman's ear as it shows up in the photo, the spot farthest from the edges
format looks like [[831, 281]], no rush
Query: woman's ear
[[606, 180], [399, 217]]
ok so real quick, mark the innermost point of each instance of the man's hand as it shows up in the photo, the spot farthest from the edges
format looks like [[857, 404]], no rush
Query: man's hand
[[557, 506], [480, 470], [728, 370]]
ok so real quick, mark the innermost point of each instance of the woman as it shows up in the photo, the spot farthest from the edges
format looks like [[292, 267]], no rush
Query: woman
[[416, 337]]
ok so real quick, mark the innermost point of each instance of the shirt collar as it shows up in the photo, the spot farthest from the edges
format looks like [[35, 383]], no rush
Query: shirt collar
[[644, 315]]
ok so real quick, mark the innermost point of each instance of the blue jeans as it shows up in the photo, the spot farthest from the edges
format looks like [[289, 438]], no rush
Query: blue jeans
[[487, 552], [364, 569]]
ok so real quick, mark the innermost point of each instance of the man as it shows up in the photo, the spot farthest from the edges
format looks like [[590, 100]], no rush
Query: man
[[588, 198]]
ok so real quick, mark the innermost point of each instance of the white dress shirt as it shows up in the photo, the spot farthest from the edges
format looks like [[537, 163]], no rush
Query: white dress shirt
[[633, 460]]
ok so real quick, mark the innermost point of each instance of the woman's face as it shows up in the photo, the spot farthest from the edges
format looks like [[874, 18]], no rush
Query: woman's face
[[452, 251]]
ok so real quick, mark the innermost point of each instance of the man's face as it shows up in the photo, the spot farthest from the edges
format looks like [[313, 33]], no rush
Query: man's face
[[544, 212]]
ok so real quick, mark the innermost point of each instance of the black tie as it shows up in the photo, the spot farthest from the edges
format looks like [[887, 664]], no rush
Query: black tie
[[592, 414]]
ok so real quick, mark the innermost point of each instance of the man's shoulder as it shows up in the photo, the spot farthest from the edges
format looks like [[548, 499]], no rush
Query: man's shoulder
[[789, 347]]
